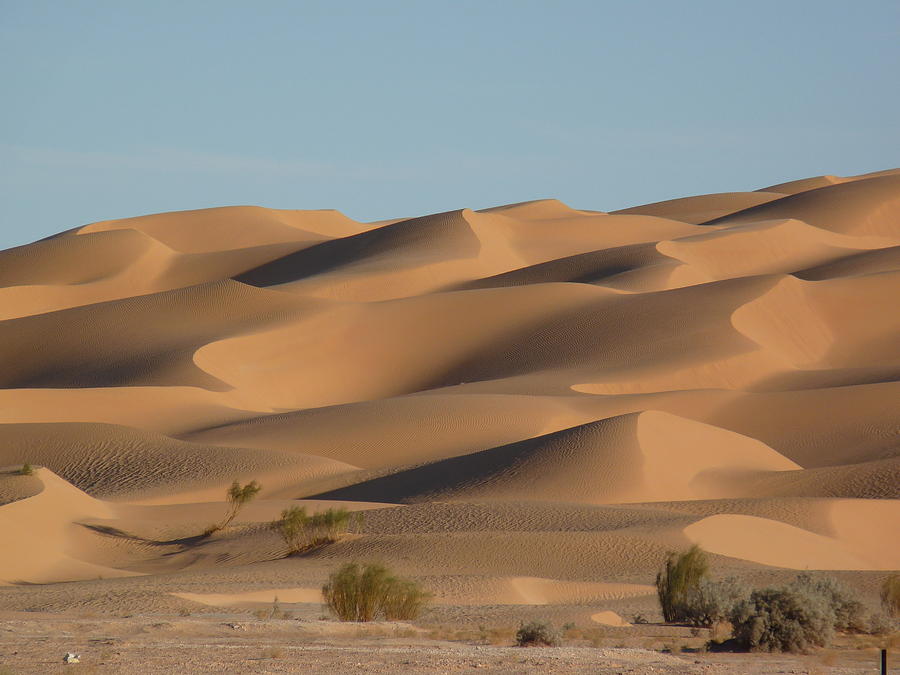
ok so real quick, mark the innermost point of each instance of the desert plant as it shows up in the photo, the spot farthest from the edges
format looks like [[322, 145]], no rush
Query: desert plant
[[849, 613], [709, 602], [329, 525], [302, 532], [782, 619], [890, 595], [355, 593], [680, 574], [294, 528], [26, 470], [537, 634], [237, 495], [403, 600]]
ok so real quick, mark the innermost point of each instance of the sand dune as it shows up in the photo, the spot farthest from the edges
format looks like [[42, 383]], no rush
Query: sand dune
[[631, 458], [531, 403]]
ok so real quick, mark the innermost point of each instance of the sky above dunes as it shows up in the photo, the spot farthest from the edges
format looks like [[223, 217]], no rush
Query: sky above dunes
[[387, 109]]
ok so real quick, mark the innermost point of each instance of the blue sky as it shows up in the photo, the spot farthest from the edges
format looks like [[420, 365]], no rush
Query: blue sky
[[385, 109]]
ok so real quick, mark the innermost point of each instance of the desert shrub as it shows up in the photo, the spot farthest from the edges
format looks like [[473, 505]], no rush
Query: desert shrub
[[849, 613], [782, 619], [355, 593], [537, 634], [302, 532], [26, 470], [404, 600], [880, 624], [709, 602], [293, 528], [890, 595], [237, 495], [329, 525], [680, 574]]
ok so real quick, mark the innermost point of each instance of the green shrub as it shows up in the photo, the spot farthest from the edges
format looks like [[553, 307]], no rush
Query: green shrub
[[302, 532], [782, 619], [363, 594], [680, 574], [404, 600], [537, 634], [26, 470], [890, 595], [237, 495]]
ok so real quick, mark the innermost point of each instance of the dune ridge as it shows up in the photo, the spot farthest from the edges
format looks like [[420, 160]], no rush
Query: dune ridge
[[530, 403]]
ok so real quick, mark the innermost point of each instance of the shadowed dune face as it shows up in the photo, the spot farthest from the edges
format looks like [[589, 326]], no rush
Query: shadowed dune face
[[531, 403]]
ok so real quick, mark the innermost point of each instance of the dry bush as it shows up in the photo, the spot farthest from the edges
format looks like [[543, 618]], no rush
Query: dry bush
[[237, 496], [782, 619], [403, 600], [302, 532], [890, 595], [537, 634], [709, 602], [363, 594], [26, 470], [849, 612]]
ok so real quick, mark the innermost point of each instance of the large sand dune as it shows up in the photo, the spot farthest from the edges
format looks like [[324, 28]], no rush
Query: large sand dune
[[531, 403]]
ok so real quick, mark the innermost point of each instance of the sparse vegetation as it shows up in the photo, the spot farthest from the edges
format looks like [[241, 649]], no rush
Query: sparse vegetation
[[302, 532], [680, 576], [801, 615], [403, 600], [890, 595], [537, 634], [710, 602], [782, 619], [849, 613], [237, 496], [355, 593], [26, 470]]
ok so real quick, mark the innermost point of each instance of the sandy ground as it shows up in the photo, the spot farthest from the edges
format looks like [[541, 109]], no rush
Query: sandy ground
[[528, 405], [244, 644]]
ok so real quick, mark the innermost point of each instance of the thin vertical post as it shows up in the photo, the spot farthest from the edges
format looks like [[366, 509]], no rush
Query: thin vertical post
[[884, 662]]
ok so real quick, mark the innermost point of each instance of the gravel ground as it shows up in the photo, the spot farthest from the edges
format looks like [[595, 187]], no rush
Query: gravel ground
[[149, 645]]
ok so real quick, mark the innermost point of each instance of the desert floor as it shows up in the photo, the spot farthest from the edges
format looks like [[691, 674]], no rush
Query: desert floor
[[243, 643]]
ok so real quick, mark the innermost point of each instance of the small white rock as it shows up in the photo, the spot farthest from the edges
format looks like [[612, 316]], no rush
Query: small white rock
[[72, 658]]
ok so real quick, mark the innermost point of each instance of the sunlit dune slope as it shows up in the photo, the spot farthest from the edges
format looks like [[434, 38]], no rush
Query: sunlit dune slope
[[531, 403]]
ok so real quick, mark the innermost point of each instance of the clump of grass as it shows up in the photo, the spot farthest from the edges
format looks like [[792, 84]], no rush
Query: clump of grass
[[26, 470], [890, 595], [302, 532], [403, 600], [355, 593], [537, 634]]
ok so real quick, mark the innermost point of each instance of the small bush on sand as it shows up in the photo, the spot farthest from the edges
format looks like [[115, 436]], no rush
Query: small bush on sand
[[782, 619], [890, 595], [537, 634], [404, 600], [237, 495], [26, 470], [681, 574], [302, 532], [355, 593]]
